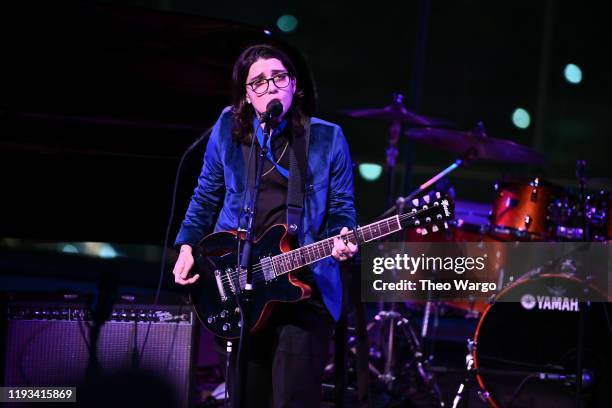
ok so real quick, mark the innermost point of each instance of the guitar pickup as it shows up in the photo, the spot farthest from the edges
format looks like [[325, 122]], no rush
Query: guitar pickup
[[267, 268], [242, 276], [220, 287]]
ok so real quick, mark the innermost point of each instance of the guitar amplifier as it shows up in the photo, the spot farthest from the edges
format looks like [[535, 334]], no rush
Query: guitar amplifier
[[47, 344]]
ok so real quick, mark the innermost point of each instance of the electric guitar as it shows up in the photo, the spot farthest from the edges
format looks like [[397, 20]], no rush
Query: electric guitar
[[214, 294]]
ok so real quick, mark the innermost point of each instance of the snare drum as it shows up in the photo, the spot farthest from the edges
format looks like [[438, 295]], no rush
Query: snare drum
[[531, 329], [520, 209]]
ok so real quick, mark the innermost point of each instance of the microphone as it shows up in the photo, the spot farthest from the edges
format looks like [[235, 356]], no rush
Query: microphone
[[273, 110], [587, 378]]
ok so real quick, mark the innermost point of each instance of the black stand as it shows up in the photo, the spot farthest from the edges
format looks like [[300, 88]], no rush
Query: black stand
[[580, 174], [462, 397], [392, 153], [245, 295], [467, 157]]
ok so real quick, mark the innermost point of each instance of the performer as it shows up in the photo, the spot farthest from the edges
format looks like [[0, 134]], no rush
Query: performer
[[286, 358]]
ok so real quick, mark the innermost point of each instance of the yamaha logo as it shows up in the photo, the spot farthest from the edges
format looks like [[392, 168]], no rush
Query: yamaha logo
[[528, 302], [563, 304]]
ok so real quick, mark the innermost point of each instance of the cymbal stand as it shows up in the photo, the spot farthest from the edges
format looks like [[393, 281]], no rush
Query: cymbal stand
[[580, 174], [392, 153], [389, 316], [392, 321], [463, 392]]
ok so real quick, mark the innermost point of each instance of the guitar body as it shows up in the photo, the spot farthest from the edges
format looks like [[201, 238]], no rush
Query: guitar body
[[214, 294]]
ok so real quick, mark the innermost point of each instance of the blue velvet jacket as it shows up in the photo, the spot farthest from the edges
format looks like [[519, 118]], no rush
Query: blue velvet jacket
[[328, 196]]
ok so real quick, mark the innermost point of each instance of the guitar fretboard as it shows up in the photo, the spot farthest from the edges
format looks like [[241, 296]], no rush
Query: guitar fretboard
[[297, 258]]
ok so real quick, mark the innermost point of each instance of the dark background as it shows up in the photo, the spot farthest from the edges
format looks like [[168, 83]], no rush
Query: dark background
[[99, 99]]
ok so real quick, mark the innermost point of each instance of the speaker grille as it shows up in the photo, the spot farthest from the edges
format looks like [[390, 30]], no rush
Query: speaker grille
[[47, 345]]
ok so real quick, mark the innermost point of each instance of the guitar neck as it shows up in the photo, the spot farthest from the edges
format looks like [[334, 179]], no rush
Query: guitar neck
[[298, 258]]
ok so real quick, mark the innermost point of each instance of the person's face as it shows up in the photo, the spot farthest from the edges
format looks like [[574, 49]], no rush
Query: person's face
[[281, 88]]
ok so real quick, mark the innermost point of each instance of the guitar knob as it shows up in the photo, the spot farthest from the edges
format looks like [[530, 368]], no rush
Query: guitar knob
[[211, 319], [223, 314], [226, 326]]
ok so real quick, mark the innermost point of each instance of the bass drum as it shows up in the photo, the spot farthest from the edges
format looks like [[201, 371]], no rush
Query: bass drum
[[530, 332]]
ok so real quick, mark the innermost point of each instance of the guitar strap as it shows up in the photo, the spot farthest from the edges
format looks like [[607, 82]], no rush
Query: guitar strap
[[298, 164]]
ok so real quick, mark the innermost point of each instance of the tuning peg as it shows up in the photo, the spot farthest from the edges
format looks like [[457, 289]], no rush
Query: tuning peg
[[415, 202], [427, 199], [438, 195], [423, 231], [434, 228], [445, 225]]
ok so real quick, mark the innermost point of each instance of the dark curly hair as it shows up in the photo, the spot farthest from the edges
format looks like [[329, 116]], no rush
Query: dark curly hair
[[243, 113]]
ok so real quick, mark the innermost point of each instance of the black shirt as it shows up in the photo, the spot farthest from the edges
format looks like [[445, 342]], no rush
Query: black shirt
[[272, 199]]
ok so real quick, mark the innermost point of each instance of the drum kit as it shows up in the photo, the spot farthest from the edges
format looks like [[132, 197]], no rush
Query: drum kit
[[504, 359]]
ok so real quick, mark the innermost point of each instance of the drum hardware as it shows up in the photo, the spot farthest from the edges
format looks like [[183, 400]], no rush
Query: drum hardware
[[566, 215], [389, 321], [581, 176], [462, 394], [392, 326], [397, 327]]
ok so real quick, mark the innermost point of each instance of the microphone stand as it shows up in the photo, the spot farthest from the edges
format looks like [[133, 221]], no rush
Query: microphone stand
[[245, 296], [467, 157]]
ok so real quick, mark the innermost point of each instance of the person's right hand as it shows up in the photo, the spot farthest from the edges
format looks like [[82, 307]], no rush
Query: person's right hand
[[183, 266]]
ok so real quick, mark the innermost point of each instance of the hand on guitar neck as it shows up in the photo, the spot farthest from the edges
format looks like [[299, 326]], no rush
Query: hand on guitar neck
[[343, 248]]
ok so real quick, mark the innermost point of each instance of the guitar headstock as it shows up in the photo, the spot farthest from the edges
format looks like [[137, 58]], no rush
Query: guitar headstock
[[430, 212]]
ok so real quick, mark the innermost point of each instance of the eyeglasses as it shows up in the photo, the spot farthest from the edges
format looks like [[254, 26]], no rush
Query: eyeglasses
[[261, 86]]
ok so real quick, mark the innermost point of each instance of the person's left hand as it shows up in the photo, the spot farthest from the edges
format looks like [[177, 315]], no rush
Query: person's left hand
[[343, 248]]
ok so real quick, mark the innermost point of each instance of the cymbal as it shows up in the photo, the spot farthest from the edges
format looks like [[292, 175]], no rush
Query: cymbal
[[475, 144], [397, 112], [394, 113]]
